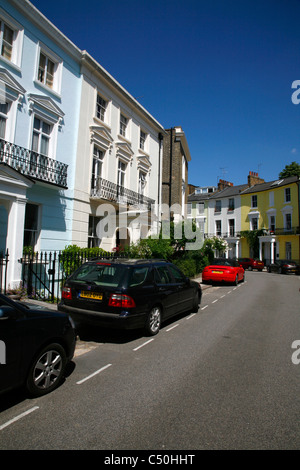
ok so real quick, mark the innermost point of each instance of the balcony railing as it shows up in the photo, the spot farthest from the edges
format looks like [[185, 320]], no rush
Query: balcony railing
[[282, 231], [231, 234], [104, 189], [32, 164]]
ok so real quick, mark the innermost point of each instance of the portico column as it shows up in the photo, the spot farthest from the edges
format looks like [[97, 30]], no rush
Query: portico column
[[237, 249], [260, 248], [14, 240], [272, 251]]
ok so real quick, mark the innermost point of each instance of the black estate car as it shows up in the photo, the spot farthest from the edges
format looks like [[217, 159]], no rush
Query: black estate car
[[129, 294], [35, 347]]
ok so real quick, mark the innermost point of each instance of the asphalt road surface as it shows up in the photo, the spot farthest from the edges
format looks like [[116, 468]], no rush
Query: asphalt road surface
[[223, 378]]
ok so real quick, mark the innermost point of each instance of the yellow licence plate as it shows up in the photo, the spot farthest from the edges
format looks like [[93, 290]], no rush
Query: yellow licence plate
[[218, 272], [91, 295]]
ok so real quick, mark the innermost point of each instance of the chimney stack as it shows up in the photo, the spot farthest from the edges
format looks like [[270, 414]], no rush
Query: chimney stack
[[224, 184], [253, 178]]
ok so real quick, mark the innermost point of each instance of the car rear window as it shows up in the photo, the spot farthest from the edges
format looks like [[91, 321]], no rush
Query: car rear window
[[100, 274]]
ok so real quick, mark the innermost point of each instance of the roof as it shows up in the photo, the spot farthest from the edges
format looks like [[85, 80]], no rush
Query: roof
[[229, 191], [271, 184]]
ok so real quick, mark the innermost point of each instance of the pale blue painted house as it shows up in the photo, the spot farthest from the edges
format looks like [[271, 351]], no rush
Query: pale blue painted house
[[40, 91]]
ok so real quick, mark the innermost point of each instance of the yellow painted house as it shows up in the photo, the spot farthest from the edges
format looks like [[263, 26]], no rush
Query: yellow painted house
[[273, 208]]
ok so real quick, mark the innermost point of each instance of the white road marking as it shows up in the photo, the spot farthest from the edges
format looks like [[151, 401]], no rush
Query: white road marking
[[11, 421], [144, 344], [172, 327], [93, 374], [203, 308], [190, 316]]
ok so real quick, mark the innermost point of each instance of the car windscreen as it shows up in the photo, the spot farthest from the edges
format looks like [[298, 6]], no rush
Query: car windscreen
[[100, 274], [224, 262]]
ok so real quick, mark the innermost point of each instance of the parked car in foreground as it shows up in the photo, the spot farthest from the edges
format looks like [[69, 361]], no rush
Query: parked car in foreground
[[251, 263], [223, 270], [35, 347], [129, 294], [284, 267]]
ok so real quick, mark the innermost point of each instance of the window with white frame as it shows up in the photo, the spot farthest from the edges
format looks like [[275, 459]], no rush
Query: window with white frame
[[254, 223], [123, 125], [254, 200], [93, 239], [231, 204], [41, 136], [11, 34], [121, 173], [287, 194], [218, 228], [31, 225], [4, 109], [142, 182], [200, 208], [218, 206], [49, 69], [98, 156], [143, 138], [101, 107], [272, 223], [7, 40], [288, 221], [288, 250], [189, 209], [231, 226]]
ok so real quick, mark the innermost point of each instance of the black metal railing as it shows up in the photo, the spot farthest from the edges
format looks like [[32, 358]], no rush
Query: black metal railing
[[282, 231], [32, 164], [229, 234], [44, 273], [104, 189]]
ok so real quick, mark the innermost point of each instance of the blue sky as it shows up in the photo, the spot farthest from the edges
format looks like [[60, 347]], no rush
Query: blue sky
[[222, 70]]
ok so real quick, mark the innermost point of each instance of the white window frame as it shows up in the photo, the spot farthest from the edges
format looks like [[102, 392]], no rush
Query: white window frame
[[123, 125], [97, 165], [122, 167], [142, 182], [254, 201], [143, 144], [57, 74], [17, 43], [287, 195], [101, 110]]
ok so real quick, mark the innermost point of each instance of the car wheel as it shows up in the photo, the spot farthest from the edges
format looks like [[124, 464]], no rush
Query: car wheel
[[153, 321], [47, 370], [243, 278], [250, 268], [196, 303], [236, 280]]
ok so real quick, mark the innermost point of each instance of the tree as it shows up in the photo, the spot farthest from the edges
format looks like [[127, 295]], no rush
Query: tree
[[290, 170]]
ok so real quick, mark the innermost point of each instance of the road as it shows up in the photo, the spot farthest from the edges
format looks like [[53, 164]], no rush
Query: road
[[219, 379]]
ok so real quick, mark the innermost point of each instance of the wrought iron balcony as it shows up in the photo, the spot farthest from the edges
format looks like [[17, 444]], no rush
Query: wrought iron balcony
[[32, 164], [104, 189], [282, 231]]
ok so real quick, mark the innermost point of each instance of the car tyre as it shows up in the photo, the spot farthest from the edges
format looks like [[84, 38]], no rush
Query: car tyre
[[47, 370], [236, 280], [196, 303], [153, 321]]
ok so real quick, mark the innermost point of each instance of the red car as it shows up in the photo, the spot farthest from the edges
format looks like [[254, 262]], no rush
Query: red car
[[223, 270], [250, 263]]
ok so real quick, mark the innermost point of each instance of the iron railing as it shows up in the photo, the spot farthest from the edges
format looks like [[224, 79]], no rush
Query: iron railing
[[104, 189], [33, 164]]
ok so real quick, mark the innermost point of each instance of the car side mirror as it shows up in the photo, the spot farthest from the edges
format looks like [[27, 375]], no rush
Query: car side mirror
[[7, 312]]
